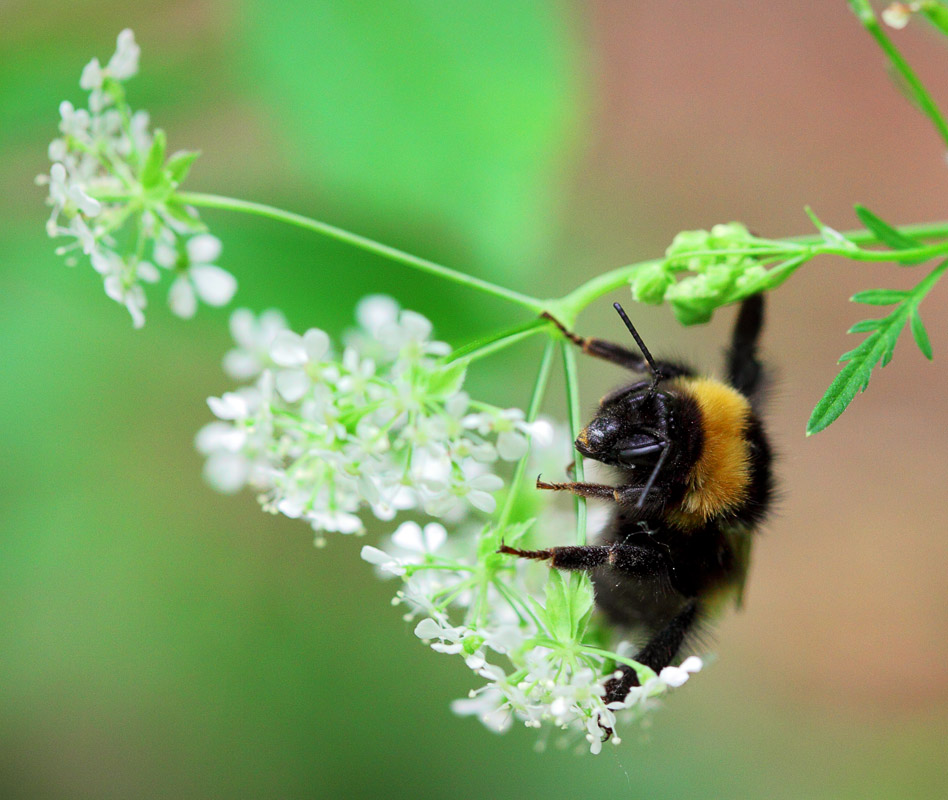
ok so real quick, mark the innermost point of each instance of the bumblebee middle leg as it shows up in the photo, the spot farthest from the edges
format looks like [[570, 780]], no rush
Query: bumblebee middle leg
[[630, 559]]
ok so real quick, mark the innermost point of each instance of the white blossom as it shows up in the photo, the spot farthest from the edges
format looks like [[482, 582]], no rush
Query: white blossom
[[676, 676], [897, 15], [339, 437], [112, 211]]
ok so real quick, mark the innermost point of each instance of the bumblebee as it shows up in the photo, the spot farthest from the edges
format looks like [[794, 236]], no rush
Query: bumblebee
[[693, 482]]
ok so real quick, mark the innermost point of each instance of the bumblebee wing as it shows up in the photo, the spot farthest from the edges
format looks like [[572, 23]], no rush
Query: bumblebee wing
[[741, 541]]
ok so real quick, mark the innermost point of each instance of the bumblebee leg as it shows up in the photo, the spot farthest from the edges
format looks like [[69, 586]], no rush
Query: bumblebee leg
[[597, 490], [743, 367], [627, 558], [657, 654], [616, 353]]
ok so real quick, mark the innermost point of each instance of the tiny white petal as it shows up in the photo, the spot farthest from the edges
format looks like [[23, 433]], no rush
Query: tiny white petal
[[376, 310], [228, 406], [292, 384], [242, 326], [203, 248], [241, 365], [511, 445], [217, 436], [415, 324], [897, 15], [135, 306], [541, 433], [215, 286], [316, 343], [408, 536], [287, 349], [114, 288], [165, 254], [483, 501], [226, 472], [673, 676], [124, 64], [692, 664], [427, 629], [148, 272], [487, 483], [435, 536], [87, 205], [375, 556], [181, 298], [92, 76]]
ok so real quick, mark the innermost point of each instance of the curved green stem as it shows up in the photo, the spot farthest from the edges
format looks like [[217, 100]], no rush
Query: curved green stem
[[536, 400], [362, 242], [919, 93], [572, 398]]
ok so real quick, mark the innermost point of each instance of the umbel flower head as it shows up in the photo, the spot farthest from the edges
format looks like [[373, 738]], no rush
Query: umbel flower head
[[382, 427], [112, 193]]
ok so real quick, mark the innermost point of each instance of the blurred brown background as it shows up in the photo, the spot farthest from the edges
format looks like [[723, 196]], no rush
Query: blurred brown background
[[160, 640]]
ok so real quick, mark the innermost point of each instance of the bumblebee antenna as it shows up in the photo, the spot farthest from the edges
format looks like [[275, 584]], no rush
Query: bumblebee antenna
[[656, 376], [653, 476]]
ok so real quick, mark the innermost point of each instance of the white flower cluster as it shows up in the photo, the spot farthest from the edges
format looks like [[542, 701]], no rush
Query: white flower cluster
[[112, 193], [383, 424], [527, 641]]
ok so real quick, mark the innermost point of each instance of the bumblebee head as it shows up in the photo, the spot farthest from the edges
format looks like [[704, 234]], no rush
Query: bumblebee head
[[633, 428], [647, 427]]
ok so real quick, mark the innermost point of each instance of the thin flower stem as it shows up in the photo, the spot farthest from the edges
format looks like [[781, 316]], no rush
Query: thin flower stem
[[536, 401], [363, 243], [870, 22], [572, 398], [641, 669], [908, 254], [518, 603]]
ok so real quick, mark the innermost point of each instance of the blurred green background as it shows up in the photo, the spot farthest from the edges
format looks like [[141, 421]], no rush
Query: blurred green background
[[160, 640]]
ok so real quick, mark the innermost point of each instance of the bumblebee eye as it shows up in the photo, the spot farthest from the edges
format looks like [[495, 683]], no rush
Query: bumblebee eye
[[639, 450]]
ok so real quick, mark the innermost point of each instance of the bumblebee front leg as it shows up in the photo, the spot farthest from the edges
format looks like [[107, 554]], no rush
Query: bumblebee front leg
[[627, 496]]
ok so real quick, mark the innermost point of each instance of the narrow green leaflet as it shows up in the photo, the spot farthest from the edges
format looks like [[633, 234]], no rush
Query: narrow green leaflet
[[152, 171], [488, 344], [556, 610], [569, 604], [877, 348], [879, 297], [179, 164], [854, 377], [920, 334], [885, 232], [447, 381]]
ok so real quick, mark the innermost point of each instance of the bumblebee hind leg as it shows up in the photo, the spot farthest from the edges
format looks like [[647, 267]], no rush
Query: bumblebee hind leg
[[657, 654], [616, 353]]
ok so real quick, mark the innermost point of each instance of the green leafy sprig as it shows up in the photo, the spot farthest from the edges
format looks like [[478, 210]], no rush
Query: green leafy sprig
[[877, 348]]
